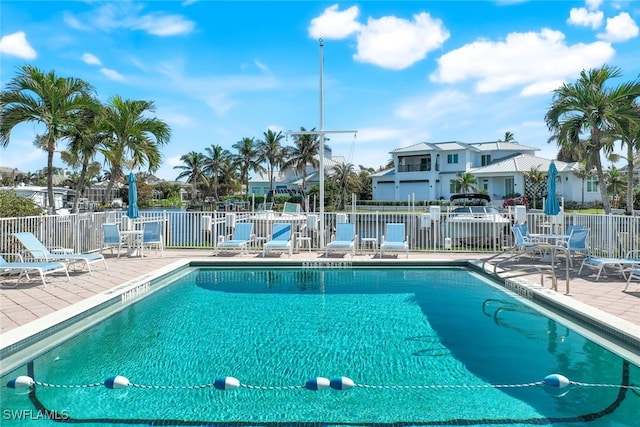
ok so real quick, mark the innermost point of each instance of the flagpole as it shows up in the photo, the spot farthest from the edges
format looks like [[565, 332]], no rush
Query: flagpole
[[321, 134]]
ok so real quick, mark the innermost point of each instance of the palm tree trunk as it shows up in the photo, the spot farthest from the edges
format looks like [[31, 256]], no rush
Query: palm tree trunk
[[630, 171], [50, 152]]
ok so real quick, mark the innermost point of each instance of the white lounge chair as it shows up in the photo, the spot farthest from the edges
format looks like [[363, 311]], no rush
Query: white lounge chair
[[24, 268], [280, 239], [240, 240], [345, 239], [38, 251], [394, 239], [599, 263]]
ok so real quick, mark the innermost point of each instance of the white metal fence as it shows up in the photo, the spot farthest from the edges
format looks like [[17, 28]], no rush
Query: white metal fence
[[610, 235]]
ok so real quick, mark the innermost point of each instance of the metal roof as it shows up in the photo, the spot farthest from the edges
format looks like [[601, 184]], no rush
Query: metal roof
[[521, 163]]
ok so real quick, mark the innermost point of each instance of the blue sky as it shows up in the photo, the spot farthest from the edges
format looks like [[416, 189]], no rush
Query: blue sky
[[397, 72]]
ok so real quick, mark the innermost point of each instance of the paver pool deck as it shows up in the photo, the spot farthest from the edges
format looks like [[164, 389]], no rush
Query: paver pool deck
[[31, 301]]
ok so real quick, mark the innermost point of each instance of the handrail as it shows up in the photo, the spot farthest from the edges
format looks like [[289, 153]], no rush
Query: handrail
[[518, 251]]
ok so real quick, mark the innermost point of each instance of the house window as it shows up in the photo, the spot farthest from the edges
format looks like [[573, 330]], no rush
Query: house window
[[452, 158], [454, 186], [592, 184], [485, 159]]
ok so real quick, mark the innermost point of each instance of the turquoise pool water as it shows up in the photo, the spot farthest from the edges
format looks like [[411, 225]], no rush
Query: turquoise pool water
[[276, 328]]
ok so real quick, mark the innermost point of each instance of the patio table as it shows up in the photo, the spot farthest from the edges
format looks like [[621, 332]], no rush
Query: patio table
[[551, 239], [134, 241]]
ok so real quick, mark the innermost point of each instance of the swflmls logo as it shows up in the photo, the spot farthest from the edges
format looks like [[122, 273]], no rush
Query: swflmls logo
[[30, 414]]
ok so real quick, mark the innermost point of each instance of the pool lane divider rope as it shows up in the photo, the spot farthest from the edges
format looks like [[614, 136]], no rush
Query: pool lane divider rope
[[319, 383]]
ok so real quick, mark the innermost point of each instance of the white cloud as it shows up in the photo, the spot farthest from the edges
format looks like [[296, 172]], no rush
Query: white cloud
[[112, 74], [593, 4], [16, 44], [433, 106], [91, 59], [535, 61], [582, 17], [333, 24], [170, 25], [395, 43], [620, 28], [127, 15]]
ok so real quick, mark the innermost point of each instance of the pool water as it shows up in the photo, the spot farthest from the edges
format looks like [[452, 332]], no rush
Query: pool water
[[277, 328]]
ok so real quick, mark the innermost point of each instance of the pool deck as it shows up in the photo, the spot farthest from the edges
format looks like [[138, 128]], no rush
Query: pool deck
[[31, 301]]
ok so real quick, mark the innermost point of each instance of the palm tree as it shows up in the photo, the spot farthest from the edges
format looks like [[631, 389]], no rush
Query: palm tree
[[134, 139], [271, 151], [46, 99], [631, 138], [85, 141], [214, 164], [615, 183], [535, 184], [466, 182], [192, 169], [303, 153], [343, 174], [508, 137], [247, 159], [588, 106], [583, 173]]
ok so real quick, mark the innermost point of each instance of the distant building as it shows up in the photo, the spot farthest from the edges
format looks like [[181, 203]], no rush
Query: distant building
[[428, 171]]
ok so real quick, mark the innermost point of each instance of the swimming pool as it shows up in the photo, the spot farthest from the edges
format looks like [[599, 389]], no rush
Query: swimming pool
[[426, 346]]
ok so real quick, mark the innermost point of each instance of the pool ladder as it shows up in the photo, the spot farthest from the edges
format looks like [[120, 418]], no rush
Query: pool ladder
[[518, 251]]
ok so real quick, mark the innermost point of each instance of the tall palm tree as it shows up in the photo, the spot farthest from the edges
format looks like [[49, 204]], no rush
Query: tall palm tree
[[589, 106], [343, 174], [214, 163], [85, 141], [46, 99], [247, 159], [192, 169], [270, 150], [303, 153], [630, 137], [134, 138]]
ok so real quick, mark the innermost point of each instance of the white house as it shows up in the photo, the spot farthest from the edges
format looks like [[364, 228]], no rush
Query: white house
[[428, 171], [289, 179]]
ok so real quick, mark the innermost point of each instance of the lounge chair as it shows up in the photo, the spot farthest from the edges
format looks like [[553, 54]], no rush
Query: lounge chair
[[152, 237], [599, 263], [394, 239], [39, 251], [112, 238], [242, 236], [24, 268], [345, 239], [280, 239], [633, 274]]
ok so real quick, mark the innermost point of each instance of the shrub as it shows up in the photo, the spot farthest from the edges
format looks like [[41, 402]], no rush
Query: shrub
[[12, 205]]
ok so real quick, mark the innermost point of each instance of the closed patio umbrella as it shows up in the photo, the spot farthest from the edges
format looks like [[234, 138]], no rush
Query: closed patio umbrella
[[132, 209], [551, 206]]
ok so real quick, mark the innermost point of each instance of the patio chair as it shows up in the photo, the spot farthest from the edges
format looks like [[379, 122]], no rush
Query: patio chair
[[242, 236], [394, 239], [631, 260], [344, 239], [280, 239], [38, 251], [520, 241], [152, 237], [578, 241], [24, 268], [112, 238]]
